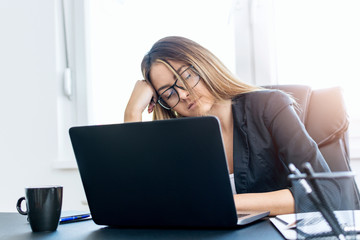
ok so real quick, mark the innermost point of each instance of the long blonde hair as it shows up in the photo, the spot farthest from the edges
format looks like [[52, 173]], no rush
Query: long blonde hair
[[221, 83]]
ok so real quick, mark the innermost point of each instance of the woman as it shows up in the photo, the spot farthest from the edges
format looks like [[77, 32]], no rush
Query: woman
[[261, 132]]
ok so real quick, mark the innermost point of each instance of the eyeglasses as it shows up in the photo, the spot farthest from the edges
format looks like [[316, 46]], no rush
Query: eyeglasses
[[170, 97]]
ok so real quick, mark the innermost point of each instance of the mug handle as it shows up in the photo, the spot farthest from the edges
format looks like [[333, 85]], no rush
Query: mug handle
[[18, 206]]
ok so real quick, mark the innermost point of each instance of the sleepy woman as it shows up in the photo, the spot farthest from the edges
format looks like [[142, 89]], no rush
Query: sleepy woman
[[261, 131]]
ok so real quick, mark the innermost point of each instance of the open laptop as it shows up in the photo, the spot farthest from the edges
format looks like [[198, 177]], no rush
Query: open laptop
[[169, 173]]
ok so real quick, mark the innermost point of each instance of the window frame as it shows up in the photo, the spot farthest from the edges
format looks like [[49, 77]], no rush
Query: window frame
[[72, 110]]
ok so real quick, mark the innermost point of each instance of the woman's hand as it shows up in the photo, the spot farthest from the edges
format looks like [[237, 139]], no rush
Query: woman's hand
[[142, 96]]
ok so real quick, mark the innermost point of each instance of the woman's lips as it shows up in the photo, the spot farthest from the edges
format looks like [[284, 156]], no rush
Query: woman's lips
[[191, 105]]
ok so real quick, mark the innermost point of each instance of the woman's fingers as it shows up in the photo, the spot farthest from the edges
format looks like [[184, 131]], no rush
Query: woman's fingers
[[151, 105]]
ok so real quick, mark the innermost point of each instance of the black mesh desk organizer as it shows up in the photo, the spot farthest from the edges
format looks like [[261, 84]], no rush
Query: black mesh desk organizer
[[325, 204]]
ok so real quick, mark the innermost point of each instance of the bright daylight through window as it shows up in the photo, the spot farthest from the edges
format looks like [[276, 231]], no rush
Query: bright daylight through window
[[122, 31], [316, 44]]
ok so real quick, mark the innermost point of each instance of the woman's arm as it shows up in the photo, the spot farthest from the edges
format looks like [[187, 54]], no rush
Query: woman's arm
[[293, 143], [277, 202], [296, 146], [142, 96]]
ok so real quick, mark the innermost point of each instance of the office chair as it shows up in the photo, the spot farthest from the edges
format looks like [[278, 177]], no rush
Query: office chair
[[324, 115]]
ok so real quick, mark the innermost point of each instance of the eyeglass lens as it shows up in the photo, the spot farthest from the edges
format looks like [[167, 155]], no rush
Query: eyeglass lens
[[170, 97]]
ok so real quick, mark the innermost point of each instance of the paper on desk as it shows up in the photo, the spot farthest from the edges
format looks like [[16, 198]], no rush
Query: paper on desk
[[286, 232], [314, 223]]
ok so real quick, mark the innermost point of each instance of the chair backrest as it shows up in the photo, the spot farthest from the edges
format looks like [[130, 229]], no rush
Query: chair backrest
[[324, 115]]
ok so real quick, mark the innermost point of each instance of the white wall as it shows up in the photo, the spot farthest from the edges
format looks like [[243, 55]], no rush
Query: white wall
[[30, 74]]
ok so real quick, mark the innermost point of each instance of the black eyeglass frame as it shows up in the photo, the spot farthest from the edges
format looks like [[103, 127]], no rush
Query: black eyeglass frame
[[173, 87]]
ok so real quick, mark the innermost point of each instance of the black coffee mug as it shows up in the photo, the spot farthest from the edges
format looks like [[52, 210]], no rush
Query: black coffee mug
[[43, 207]]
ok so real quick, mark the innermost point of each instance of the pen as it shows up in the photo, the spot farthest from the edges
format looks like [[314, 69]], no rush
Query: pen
[[293, 224], [75, 218], [289, 225], [327, 213]]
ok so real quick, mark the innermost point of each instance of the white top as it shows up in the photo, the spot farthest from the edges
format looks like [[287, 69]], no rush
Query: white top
[[232, 181]]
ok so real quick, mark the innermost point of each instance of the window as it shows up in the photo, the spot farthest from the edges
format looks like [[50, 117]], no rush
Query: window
[[313, 42], [121, 32]]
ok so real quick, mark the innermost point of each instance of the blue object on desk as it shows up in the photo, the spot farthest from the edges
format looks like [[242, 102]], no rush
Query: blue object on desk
[[75, 218]]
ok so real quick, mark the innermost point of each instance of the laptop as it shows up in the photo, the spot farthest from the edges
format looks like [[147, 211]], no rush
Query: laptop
[[168, 173]]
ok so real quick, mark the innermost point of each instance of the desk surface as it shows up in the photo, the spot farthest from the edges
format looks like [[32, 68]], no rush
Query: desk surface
[[14, 226]]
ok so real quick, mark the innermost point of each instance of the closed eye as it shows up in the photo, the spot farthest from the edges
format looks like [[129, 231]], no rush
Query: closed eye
[[188, 76], [169, 93]]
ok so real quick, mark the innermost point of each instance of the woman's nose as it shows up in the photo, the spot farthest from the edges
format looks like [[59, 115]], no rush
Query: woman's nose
[[183, 94]]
